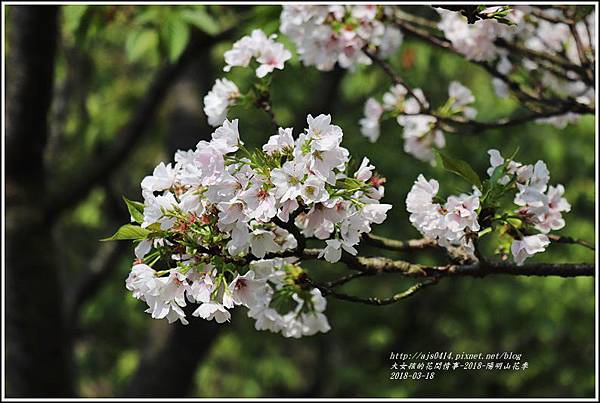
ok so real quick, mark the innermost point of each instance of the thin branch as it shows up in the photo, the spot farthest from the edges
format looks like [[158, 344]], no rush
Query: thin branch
[[478, 126], [347, 278], [534, 54], [423, 243], [580, 50], [408, 28], [311, 254], [378, 265], [327, 291], [571, 240]]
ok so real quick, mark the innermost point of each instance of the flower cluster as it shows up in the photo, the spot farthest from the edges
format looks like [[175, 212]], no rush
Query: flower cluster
[[421, 131], [267, 289], [540, 206], [272, 312], [265, 50], [453, 223], [220, 215], [555, 38], [328, 34], [546, 33], [463, 218]]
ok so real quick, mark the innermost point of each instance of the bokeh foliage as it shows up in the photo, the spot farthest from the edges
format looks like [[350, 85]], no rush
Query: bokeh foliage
[[107, 57]]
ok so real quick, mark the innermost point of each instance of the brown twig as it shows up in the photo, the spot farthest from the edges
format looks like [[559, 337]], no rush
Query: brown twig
[[570, 240], [327, 291], [343, 280]]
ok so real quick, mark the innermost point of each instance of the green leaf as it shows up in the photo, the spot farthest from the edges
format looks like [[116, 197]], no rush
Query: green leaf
[[201, 20], [154, 227], [136, 209], [129, 232], [176, 35], [139, 42], [461, 168]]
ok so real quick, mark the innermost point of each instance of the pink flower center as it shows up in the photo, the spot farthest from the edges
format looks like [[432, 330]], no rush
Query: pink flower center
[[262, 194]]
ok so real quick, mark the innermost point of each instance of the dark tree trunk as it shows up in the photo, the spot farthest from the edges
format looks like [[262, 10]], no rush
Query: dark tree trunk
[[37, 345]]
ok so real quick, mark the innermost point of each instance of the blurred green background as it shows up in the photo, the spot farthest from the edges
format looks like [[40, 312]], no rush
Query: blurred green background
[[106, 58]]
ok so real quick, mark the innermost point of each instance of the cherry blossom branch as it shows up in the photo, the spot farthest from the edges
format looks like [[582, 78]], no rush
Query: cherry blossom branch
[[379, 265], [478, 126], [525, 95], [447, 45], [478, 269], [404, 17], [555, 60]]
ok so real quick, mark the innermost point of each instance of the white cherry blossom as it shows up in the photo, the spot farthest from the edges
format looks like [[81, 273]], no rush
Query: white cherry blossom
[[222, 95], [267, 52], [528, 246]]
